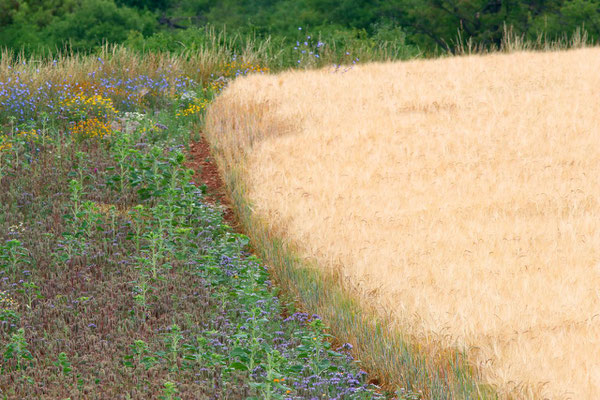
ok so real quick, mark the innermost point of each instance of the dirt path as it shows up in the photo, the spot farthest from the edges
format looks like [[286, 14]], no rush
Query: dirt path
[[207, 173]]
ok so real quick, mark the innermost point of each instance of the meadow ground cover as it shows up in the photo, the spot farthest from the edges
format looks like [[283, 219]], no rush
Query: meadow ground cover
[[457, 196], [117, 280]]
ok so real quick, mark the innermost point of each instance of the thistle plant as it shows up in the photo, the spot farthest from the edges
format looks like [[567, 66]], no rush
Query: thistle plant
[[273, 374], [76, 190], [45, 122], [80, 168], [121, 153], [140, 293], [169, 391], [139, 348], [319, 345], [17, 352], [31, 291], [138, 217], [69, 246], [13, 255], [63, 364], [156, 247], [172, 339], [90, 218], [141, 355]]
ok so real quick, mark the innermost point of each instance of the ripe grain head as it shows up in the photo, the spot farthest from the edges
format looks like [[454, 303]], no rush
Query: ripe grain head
[[460, 194]]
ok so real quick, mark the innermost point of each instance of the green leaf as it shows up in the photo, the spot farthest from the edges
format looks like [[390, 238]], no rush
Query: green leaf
[[238, 366], [239, 351], [296, 369]]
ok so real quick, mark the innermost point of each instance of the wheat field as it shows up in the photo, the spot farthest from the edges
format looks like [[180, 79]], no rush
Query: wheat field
[[461, 195]]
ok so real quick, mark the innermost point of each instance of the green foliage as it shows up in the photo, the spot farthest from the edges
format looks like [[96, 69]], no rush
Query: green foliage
[[148, 4], [63, 364], [96, 22], [169, 391], [569, 16], [12, 255], [160, 25], [79, 25], [16, 355]]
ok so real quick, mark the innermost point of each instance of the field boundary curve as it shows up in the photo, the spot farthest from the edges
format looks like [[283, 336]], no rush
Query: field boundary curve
[[398, 362]]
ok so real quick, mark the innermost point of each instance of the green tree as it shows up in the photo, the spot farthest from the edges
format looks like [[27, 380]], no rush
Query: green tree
[[97, 21], [146, 4], [572, 14]]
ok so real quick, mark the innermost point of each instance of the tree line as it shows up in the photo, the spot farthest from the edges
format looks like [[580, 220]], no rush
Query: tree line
[[431, 25]]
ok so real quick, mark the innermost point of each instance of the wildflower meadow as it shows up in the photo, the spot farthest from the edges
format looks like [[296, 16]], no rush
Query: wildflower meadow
[[117, 279]]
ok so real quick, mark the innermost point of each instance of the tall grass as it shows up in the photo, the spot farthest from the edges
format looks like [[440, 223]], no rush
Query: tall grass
[[116, 61], [200, 52], [512, 42]]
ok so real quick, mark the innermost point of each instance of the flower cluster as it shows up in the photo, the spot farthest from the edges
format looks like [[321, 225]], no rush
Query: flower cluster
[[21, 99], [307, 51], [233, 70], [16, 229], [90, 128], [143, 90], [80, 107], [338, 67], [239, 68], [28, 135], [17, 139], [192, 108], [7, 302], [4, 143], [26, 99], [134, 116]]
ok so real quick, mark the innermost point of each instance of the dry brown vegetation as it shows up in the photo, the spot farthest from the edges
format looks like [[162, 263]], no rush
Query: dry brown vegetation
[[461, 195]]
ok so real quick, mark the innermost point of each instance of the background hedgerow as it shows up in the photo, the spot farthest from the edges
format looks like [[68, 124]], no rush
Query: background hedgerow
[[397, 27]]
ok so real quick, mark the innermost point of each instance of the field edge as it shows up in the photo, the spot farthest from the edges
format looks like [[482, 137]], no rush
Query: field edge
[[386, 352]]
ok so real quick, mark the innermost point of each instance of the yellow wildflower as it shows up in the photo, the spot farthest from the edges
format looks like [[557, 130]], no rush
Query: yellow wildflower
[[4, 143], [5, 146], [7, 302], [90, 128], [96, 106]]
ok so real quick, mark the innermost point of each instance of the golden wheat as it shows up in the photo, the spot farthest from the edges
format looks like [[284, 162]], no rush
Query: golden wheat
[[460, 194]]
